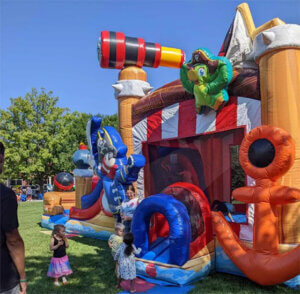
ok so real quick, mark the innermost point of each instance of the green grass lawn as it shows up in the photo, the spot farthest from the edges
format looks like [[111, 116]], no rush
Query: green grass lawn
[[93, 267]]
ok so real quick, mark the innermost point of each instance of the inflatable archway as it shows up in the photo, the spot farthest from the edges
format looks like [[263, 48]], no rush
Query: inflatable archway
[[176, 248], [198, 209]]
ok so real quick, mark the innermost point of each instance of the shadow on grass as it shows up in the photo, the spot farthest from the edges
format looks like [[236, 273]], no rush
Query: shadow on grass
[[92, 273]]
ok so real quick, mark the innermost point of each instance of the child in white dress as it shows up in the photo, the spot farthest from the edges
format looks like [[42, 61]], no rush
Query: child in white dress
[[125, 257]]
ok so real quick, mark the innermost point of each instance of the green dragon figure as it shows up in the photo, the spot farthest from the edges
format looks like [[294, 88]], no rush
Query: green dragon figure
[[207, 77]]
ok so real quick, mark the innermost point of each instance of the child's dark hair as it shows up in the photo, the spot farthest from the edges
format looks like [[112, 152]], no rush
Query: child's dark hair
[[128, 240], [218, 205], [130, 187], [56, 229]]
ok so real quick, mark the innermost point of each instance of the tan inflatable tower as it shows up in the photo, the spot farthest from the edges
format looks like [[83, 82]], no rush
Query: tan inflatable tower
[[130, 88], [83, 187], [277, 51]]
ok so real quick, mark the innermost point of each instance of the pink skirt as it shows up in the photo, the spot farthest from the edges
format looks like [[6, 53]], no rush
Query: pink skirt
[[59, 267]]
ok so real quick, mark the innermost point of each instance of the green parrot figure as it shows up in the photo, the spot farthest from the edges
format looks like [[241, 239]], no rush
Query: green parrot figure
[[207, 77]]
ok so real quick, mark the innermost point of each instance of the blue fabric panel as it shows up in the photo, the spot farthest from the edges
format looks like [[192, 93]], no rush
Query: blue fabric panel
[[293, 283], [179, 223], [59, 219], [80, 172], [95, 127], [238, 218], [89, 199], [157, 248], [81, 159], [164, 256], [116, 141]]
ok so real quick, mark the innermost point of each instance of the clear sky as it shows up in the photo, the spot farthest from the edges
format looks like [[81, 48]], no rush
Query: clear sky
[[52, 43]]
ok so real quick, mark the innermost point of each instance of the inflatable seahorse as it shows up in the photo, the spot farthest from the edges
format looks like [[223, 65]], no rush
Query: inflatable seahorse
[[265, 154]]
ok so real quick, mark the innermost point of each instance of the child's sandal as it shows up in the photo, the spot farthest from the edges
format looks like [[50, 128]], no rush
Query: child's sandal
[[64, 280], [56, 283]]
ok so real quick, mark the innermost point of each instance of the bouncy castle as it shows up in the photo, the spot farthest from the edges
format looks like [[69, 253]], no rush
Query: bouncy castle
[[178, 142]]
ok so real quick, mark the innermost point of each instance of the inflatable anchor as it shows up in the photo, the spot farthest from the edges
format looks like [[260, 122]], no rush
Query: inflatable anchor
[[265, 154]]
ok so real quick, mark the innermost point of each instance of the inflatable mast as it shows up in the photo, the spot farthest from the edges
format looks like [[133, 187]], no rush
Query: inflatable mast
[[115, 50]]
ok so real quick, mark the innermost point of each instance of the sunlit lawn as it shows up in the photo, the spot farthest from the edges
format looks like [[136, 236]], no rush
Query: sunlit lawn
[[93, 267]]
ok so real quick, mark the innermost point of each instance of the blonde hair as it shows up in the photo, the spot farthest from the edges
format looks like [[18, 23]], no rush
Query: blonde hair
[[119, 226]]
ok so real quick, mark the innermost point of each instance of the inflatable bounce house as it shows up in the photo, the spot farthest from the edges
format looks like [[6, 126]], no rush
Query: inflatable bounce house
[[62, 198], [178, 143]]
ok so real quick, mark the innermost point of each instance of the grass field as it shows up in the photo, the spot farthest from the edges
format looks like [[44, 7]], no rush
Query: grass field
[[93, 267]]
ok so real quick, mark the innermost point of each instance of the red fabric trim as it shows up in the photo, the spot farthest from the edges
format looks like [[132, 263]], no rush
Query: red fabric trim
[[120, 58], [104, 49], [157, 55], [226, 118], [241, 207], [207, 236], [221, 53], [160, 227], [95, 180], [186, 119], [236, 227], [82, 147], [182, 58], [60, 186], [147, 173], [87, 213], [112, 171], [154, 126], [141, 52]]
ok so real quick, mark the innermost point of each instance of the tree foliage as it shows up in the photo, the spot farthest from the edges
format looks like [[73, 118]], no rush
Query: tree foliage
[[40, 137]]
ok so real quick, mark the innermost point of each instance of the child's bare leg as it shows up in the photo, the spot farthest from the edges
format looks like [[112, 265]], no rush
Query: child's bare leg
[[119, 283], [116, 269], [56, 283], [132, 284]]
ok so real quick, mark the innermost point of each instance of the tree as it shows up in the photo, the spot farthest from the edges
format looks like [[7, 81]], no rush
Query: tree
[[40, 137], [110, 120]]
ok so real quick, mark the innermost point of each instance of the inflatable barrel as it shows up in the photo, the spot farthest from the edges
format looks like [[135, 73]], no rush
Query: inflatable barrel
[[115, 50]]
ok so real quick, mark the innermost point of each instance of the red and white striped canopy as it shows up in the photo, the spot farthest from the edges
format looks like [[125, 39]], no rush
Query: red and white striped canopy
[[181, 121]]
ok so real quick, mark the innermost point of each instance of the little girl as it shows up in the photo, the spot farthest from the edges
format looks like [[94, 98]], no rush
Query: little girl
[[128, 207], [126, 261], [59, 264]]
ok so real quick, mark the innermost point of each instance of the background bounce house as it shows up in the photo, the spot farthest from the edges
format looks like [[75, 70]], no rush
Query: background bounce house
[[182, 137]]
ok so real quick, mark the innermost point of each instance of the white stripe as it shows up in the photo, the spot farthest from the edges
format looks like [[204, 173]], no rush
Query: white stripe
[[240, 46], [206, 122], [139, 134], [169, 124], [248, 113]]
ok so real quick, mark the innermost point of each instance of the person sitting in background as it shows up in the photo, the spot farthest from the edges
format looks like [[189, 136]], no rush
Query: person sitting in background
[[218, 205], [128, 207], [23, 195], [28, 193], [12, 253]]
